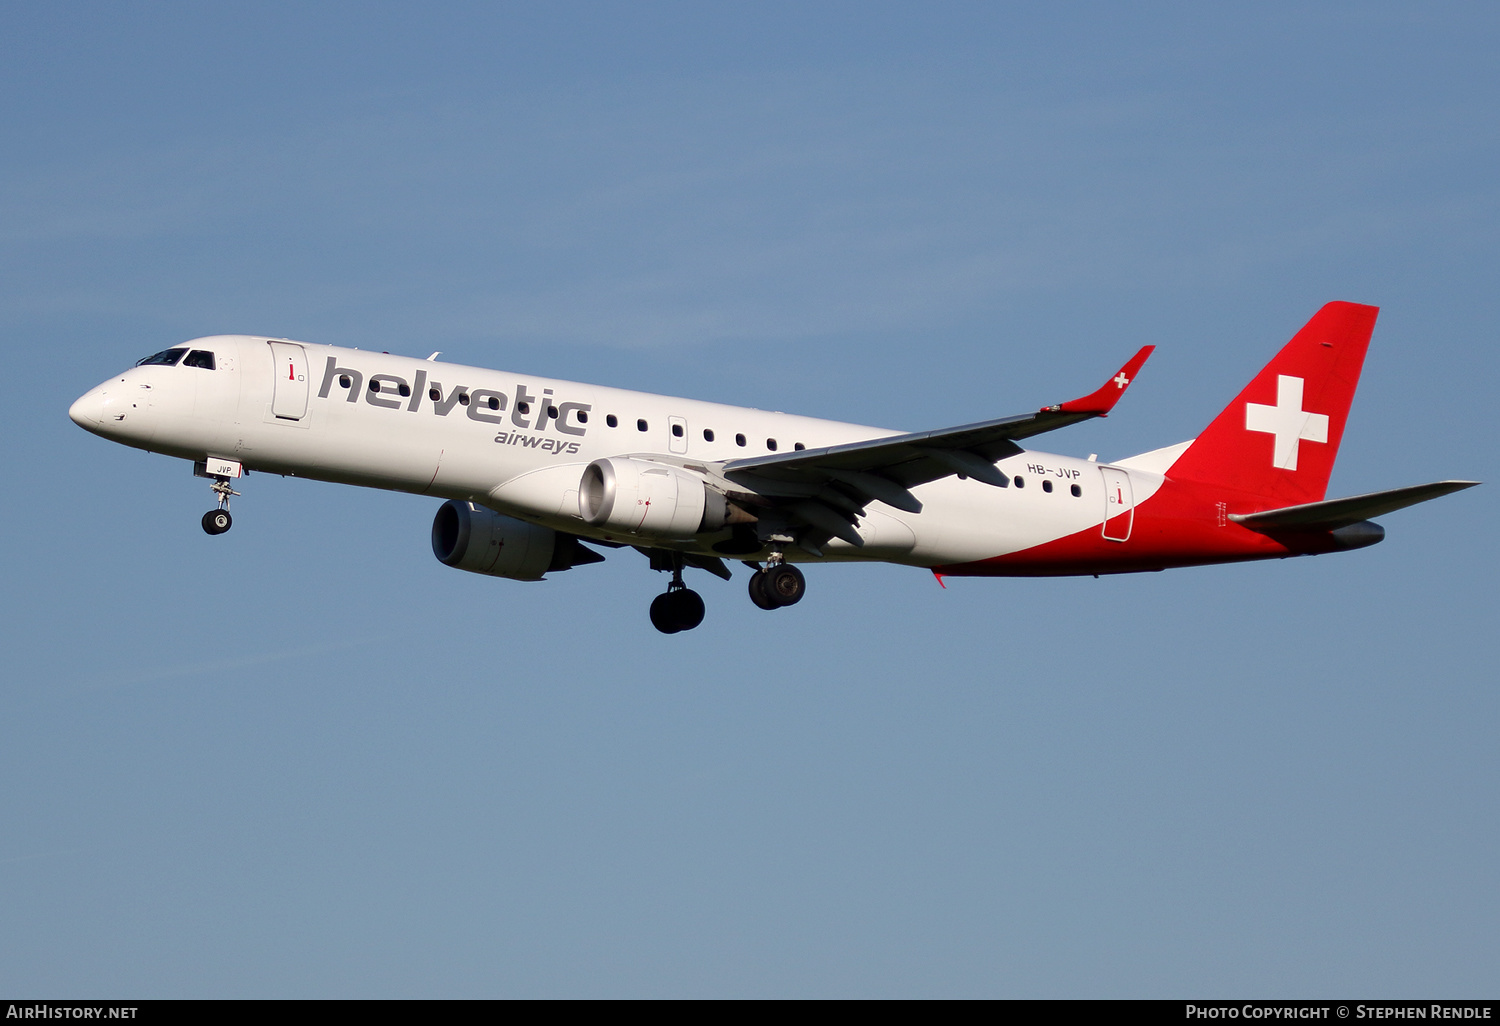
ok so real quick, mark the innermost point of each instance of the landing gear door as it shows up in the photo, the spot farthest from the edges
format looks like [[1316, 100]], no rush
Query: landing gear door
[[1119, 504], [289, 400]]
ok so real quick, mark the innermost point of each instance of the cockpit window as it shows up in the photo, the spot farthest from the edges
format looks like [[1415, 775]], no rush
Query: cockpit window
[[200, 358], [166, 358]]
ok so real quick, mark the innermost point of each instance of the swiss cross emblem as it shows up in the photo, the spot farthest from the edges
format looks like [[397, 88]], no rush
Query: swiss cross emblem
[[1287, 421]]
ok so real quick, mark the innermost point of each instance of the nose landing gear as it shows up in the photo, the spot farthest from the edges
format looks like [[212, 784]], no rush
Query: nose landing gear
[[217, 521]]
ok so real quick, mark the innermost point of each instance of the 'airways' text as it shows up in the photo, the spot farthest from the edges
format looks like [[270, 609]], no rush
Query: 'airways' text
[[556, 445]]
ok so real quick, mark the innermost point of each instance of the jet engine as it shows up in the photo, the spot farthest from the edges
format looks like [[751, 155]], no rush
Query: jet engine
[[481, 541], [651, 499]]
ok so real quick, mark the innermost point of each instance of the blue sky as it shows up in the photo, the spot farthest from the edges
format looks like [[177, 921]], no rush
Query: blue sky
[[306, 759]]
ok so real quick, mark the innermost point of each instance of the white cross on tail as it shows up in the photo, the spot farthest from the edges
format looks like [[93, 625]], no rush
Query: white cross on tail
[[1288, 421]]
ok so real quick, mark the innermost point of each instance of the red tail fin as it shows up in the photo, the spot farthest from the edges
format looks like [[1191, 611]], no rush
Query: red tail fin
[[1278, 439]]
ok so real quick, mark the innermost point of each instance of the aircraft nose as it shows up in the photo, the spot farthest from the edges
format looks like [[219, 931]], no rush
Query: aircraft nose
[[87, 410]]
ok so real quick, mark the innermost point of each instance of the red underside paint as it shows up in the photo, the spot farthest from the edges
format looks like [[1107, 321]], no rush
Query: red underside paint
[[1183, 524]]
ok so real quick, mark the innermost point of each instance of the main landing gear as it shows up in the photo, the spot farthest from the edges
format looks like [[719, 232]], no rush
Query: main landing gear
[[680, 608], [779, 584], [776, 584], [217, 521]]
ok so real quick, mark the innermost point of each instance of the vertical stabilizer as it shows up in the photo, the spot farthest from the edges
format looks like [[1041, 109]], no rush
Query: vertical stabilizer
[[1279, 437]]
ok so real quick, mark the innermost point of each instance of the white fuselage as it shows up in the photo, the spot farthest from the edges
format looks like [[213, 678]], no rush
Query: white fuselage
[[519, 443]]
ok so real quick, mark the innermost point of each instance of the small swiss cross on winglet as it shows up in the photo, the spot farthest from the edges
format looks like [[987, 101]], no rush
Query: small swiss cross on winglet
[[1102, 401]]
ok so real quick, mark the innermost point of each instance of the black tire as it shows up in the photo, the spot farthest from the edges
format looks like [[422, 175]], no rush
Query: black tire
[[758, 593], [217, 521], [664, 613], [689, 608], [785, 584]]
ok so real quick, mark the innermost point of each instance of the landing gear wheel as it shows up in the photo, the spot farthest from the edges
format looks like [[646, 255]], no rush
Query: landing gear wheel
[[689, 608], [217, 521], [758, 591], [662, 614], [679, 610], [780, 584], [784, 584]]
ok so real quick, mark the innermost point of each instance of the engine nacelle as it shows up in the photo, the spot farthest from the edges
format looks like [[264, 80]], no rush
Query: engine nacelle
[[477, 539], [651, 499]]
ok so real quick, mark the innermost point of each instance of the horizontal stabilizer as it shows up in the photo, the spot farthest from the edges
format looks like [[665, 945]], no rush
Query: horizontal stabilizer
[[1332, 514]]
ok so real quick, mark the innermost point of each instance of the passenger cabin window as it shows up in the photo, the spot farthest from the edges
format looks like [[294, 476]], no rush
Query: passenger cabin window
[[612, 420], [798, 446], [708, 434], [1020, 481], [771, 444], [1046, 486], [165, 358], [676, 430], [1077, 492], [739, 440], [640, 425], [199, 358]]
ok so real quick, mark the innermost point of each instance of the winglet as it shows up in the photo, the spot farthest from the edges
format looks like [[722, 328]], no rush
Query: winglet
[[1101, 402]]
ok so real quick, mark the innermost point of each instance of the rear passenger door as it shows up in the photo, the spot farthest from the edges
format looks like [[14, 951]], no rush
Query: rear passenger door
[[1119, 504]]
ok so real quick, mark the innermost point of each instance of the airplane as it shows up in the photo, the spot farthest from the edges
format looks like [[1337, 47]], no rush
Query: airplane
[[532, 468]]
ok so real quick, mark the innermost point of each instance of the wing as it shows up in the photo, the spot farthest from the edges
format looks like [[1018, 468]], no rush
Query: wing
[[827, 489]]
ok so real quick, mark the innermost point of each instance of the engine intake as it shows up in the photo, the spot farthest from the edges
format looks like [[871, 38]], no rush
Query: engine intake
[[477, 539], [645, 498]]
